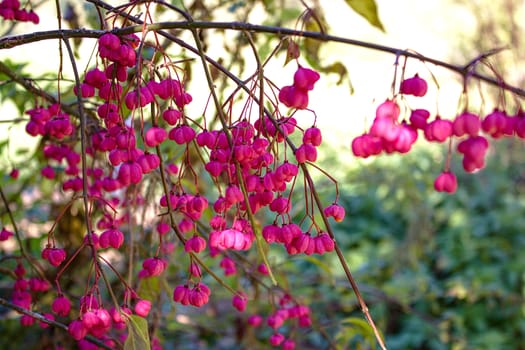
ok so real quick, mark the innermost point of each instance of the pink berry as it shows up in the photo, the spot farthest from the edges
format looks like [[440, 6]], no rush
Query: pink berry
[[195, 244], [155, 136], [239, 301], [5, 234], [293, 97], [55, 256], [142, 307], [61, 306], [439, 130], [305, 78], [154, 266], [446, 182], [77, 330], [467, 124], [414, 86], [276, 339], [388, 109]]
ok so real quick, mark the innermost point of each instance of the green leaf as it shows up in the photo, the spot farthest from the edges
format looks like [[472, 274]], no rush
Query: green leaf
[[360, 327], [368, 10], [138, 337]]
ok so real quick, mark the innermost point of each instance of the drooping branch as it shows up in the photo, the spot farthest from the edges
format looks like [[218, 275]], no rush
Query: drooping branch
[[463, 70]]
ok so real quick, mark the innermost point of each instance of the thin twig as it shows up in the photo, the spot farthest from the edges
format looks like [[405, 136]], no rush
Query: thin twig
[[13, 41]]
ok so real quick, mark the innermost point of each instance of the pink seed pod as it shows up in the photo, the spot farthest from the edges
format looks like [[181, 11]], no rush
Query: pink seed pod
[[129, 173], [228, 266], [33, 17], [171, 116], [415, 86], [118, 71], [182, 134], [61, 306], [155, 136], [142, 307], [293, 97], [111, 238], [335, 211], [386, 129], [86, 90], [323, 243], [406, 138], [281, 205], [214, 168], [474, 147], [275, 321], [466, 124], [305, 78], [92, 238], [154, 266], [90, 320], [195, 244], [181, 294], [88, 302], [239, 301], [110, 91], [418, 118], [195, 270], [218, 223], [366, 145], [77, 330], [96, 78], [446, 182], [388, 109], [233, 194], [110, 41], [229, 239], [206, 138], [199, 295], [306, 153], [110, 185], [288, 344], [276, 339], [183, 99], [495, 123], [49, 316], [255, 320], [313, 136], [56, 256], [33, 128], [163, 228], [519, 124], [27, 320], [439, 130], [5, 234], [271, 233], [168, 88], [74, 184]]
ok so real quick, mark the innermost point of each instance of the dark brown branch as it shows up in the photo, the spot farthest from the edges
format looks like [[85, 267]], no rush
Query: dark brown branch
[[463, 70]]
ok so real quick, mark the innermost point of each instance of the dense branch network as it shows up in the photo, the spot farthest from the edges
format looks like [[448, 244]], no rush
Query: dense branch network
[[142, 152]]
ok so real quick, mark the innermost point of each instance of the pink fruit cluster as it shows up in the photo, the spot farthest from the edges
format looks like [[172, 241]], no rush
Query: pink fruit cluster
[[26, 290], [470, 131], [129, 142], [289, 311], [10, 10]]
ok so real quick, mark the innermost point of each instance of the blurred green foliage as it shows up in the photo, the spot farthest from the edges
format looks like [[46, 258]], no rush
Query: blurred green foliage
[[439, 271]]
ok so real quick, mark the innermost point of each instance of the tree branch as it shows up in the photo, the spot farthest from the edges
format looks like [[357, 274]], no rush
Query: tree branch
[[41, 318], [463, 70]]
